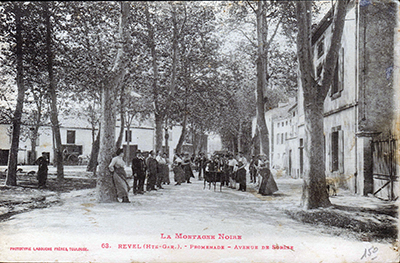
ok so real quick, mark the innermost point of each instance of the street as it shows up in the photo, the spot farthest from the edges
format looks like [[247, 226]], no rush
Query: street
[[183, 223]]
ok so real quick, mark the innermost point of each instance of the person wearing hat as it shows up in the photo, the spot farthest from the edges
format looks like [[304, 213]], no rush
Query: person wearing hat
[[138, 172]]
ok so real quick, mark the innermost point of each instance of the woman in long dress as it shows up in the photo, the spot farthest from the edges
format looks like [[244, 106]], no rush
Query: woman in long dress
[[186, 166], [119, 176], [179, 174], [268, 185]]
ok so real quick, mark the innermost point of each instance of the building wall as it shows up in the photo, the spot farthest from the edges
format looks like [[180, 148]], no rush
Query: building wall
[[340, 111], [377, 22], [281, 132], [143, 138], [292, 145]]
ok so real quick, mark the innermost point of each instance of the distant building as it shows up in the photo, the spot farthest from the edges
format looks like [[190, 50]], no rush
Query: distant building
[[77, 138]]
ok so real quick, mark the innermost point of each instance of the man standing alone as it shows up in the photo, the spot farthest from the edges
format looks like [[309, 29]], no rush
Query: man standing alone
[[43, 163]]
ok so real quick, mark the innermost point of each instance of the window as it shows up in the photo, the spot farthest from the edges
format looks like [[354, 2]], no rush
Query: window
[[278, 124], [282, 138], [283, 124], [286, 123], [128, 136], [336, 150], [277, 138], [337, 84], [320, 47], [285, 136], [71, 137], [301, 156]]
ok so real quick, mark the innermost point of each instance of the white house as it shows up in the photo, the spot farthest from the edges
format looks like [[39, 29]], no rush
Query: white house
[[361, 101]]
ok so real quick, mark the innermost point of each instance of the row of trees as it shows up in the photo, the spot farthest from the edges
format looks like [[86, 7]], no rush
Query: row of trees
[[102, 54]]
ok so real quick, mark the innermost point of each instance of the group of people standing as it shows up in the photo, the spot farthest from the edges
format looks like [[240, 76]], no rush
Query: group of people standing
[[154, 167], [230, 171], [224, 168]]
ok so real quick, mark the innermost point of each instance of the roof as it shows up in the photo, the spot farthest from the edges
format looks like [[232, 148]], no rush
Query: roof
[[280, 112], [325, 22]]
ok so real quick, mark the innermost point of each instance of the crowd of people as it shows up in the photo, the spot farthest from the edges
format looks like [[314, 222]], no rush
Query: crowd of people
[[226, 168]]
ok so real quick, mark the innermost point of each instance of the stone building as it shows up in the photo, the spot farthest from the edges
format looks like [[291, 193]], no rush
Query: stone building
[[359, 110], [361, 101]]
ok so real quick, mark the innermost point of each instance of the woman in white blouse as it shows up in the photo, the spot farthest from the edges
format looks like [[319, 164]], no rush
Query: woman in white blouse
[[119, 176]]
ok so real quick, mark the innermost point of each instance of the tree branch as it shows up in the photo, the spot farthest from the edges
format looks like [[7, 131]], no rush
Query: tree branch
[[244, 34], [336, 42], [274, 34], [251, 6]]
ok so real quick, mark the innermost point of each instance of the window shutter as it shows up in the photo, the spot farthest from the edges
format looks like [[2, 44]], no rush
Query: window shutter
[[341, 69], [341, 151]]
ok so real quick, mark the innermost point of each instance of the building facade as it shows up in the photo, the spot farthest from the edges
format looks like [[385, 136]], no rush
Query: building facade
[[359, 109], [361, 101]]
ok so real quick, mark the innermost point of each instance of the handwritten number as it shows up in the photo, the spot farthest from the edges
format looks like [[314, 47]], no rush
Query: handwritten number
[[369, 252]]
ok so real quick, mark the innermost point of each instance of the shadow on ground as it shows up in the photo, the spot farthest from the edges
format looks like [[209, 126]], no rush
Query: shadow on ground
[[364, 224]]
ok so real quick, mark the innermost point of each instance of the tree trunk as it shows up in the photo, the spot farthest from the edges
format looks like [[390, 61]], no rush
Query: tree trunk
[[128, 148], [94, 154], [122, 117], [106, 191], [157, 112], [53, 97], [16, 125], [159, 132], [183, 135], [239, 138], [166, 137], [262, 31], [314, 187]]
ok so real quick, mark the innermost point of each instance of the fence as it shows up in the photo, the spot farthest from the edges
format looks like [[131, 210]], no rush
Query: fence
[[385, 168]]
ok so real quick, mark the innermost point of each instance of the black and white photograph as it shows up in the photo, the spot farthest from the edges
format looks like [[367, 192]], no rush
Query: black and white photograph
[[200, 131]]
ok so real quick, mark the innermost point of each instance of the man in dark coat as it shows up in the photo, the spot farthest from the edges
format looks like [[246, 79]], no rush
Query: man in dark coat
[[43, 163], [202, 165], [253, 171], [139, 173], [152, 165]]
